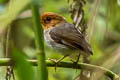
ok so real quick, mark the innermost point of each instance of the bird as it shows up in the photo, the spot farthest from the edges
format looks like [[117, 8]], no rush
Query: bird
[[64, 37]]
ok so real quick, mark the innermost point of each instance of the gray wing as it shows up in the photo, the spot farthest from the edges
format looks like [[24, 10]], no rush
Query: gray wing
[[68, 35]]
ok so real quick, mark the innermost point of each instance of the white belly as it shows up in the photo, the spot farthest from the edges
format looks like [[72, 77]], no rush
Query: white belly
[[58, 47]]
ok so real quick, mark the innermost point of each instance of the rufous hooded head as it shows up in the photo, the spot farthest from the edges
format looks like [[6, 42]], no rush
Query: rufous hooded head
[[50, 19]]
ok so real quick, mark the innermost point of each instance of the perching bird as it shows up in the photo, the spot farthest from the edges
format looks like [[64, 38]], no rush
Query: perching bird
[[63, 36]]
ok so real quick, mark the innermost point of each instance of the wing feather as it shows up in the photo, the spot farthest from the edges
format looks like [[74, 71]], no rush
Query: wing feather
[[68, 35]]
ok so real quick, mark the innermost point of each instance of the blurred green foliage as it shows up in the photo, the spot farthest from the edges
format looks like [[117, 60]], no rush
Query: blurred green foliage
[[103, 18], [3, 1], [24, 70]]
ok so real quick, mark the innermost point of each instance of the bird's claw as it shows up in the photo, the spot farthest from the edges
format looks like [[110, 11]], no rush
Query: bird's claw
[[75, 62], [55, 61]]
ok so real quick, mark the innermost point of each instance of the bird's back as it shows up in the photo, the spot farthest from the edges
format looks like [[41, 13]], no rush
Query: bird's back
[[66, 36]]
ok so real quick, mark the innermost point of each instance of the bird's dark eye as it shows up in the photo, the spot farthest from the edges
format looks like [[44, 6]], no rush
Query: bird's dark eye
[[48, 19]]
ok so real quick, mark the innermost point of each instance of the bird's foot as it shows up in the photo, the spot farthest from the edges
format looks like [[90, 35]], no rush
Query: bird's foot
[[74, 63], [75, 66], [55, 61]]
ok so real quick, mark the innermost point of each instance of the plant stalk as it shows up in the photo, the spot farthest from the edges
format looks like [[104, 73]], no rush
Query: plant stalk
[[39, 40]]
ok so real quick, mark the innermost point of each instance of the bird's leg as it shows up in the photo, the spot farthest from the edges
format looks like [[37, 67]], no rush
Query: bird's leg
[[77, 59], [76, 62], [57, 61], [10, 73]]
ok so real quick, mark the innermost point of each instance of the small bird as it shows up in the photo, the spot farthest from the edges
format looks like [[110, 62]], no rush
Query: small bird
[[63, 36]]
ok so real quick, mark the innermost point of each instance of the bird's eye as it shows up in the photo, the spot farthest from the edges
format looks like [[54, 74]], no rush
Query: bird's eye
[[48, 19]]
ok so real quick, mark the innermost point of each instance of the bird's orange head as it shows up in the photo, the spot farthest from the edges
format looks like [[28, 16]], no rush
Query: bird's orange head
[[50, 19]]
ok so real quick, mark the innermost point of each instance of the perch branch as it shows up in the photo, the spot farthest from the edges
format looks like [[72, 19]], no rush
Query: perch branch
[[110, 74]]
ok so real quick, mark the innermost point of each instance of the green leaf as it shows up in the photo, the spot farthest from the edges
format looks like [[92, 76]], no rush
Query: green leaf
[[23, 68]]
